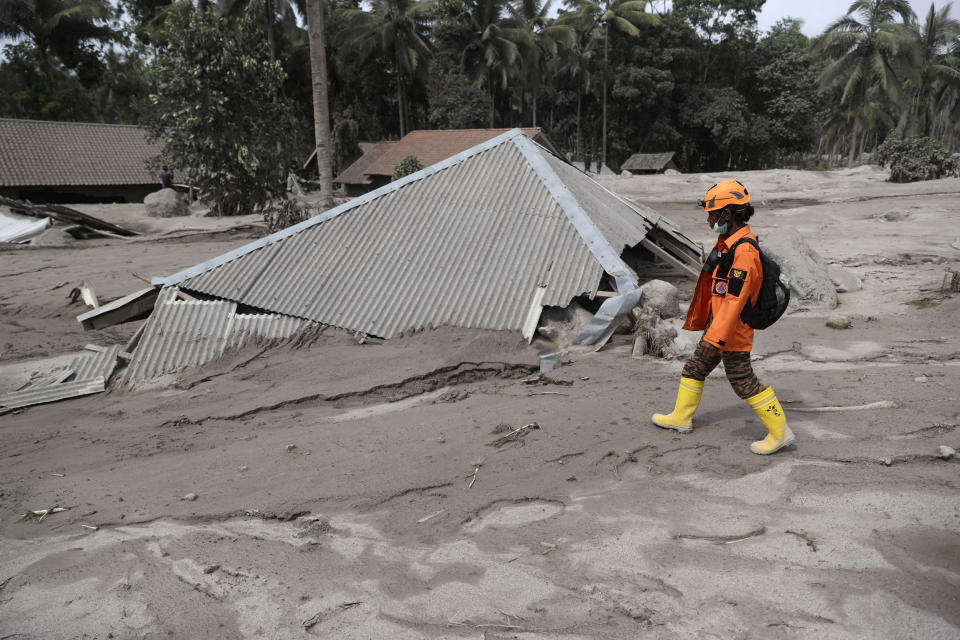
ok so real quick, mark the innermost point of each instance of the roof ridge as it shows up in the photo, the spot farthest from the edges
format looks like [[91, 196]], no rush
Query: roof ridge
[[591, 235], [67, 122]]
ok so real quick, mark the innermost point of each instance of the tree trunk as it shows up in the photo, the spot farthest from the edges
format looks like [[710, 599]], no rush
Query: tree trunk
[[268, 22], [400, 111], [321, 107], [579, 132], [853, 141], [400, 105], [492, 96], [534, 108], [603, 134]]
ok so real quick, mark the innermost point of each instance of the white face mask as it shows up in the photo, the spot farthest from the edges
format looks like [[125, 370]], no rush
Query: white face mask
[[720, 229]]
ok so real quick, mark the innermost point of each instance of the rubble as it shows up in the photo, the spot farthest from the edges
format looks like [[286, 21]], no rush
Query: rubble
[[166, 203], [810, 279], [844, 279], [661, 296], [839, 321], [80, 225]]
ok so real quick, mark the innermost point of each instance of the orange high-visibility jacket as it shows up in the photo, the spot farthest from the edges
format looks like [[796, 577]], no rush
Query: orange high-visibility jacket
[[722, 296]]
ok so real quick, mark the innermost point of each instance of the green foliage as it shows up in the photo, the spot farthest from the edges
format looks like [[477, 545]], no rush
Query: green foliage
[[405, 167], [915, 159], [691, 76], [285, 212], [785, 89], [220, 116], [61, 67], [455, 102]]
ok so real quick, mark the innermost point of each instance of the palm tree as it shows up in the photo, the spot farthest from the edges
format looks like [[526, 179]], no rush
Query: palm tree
[[864, 54], [321, 106], [270, 15], [933, 72], [575, 61], [532, 16], [58, 28], [396, 29], [494, 46], [599, 16]]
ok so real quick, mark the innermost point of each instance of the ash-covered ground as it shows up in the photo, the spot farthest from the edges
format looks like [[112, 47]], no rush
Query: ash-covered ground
[[375, 491]]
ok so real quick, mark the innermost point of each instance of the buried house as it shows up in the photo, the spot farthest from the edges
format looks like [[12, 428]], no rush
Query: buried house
[[485, 239], [75, 162]]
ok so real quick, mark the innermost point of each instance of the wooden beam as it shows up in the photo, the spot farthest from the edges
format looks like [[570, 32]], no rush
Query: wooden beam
[[122, 310], [669, 257]]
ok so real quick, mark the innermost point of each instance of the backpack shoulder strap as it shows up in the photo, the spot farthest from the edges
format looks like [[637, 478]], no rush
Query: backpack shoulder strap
[[726, 263], [750, 241]]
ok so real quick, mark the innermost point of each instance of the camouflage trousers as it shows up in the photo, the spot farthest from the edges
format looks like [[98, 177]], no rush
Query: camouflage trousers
[[736, 364]]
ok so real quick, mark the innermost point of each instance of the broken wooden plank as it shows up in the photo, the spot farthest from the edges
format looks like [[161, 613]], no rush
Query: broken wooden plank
[[660, 252], [124, 309], [66, 215]]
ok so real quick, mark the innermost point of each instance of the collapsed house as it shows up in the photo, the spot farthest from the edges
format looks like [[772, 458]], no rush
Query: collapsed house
[[645, 163], [486, 239], [491, 238]]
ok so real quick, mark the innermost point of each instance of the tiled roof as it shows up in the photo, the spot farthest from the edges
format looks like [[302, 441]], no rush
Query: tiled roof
[[356, 173], [40, 153], [432, 146]]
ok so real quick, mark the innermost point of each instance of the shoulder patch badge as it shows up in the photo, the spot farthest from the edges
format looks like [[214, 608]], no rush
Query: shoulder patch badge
[[720, 287], [737, 278]]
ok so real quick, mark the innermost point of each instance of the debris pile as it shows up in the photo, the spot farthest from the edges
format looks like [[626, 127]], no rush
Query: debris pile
[[16, 225], [86, 374]]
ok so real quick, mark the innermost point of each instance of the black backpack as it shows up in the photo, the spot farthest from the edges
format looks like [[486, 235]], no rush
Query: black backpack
[[774, 293]]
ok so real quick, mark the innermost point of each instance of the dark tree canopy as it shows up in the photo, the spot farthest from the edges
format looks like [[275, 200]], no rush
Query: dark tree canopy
[[695, 77]]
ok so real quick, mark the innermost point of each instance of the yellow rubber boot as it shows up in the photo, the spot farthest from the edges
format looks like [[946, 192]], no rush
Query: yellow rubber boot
[[688, 399], [768, 409]]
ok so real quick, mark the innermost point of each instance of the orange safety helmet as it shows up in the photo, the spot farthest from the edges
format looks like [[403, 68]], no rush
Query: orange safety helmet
[[724, 193]]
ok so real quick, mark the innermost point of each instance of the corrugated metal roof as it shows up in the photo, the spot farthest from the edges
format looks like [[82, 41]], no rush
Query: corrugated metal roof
[[183, 333], [88, 373], [465, 242], [262, 327], [15, 228], [52, 393], [99, 364], [179, 334], [620, 223]]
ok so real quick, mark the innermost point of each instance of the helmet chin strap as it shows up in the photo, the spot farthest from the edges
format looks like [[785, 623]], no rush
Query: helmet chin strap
[[734, 225]]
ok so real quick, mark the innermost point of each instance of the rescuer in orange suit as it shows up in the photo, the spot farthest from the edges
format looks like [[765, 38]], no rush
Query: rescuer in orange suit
[[717, 302]]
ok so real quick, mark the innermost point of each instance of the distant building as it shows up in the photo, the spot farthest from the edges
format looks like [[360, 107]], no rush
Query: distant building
[[640, 163], [375, 168], [45, 161], [354, 179]]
